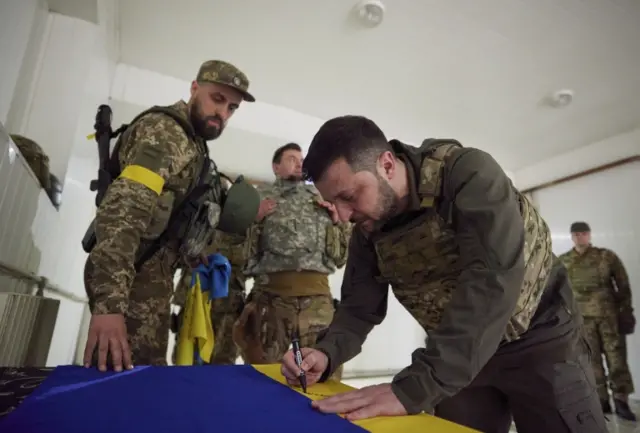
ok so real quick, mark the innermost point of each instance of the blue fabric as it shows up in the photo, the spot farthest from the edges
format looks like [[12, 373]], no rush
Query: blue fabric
[[214, 277], [220, 399]]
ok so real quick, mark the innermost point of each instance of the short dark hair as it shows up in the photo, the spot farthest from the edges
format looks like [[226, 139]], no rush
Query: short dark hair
[[277, 155], [357, 139]]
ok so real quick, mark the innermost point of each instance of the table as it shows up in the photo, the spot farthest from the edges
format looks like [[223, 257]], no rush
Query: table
[[17, 383]]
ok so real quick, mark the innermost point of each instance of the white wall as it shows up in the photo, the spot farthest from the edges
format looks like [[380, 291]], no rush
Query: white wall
[[72, 63], [583, 158], [16, 22], [607, 200], [613, 217], [20, 103]]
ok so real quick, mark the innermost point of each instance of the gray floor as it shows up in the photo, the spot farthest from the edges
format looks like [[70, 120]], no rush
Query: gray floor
[[615, 425]]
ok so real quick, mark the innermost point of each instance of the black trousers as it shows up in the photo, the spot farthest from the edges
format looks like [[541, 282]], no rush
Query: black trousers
[[545, 396]]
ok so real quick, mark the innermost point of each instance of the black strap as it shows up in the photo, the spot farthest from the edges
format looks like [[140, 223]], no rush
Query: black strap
[[114, 162], [183, 211]]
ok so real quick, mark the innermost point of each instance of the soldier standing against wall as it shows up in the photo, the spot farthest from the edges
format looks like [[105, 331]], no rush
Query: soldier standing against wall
[[164, 158], [470, 258], [295, 247], [601, 286]]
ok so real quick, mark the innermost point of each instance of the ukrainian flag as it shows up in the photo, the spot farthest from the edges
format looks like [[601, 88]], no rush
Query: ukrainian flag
[[195, 337], [239, 399], [389, 424]]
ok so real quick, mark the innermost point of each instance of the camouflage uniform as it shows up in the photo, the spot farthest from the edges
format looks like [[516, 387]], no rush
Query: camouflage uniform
[[293, 251], [601, 286], [224, 311], [36, 158], [471, 260], [133, 214]]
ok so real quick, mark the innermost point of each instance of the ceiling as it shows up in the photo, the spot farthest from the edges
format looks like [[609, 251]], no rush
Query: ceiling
[[83, 9], [475, 71]]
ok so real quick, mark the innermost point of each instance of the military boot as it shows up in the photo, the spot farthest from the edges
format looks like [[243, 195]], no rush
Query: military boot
[[606, 406], [623, 410]]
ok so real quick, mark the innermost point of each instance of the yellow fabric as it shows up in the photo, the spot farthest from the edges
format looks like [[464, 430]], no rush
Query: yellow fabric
[[405, 424], [144, 176], [196, 329]]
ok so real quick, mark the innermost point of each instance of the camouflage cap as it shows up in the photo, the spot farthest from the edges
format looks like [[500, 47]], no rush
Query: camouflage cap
[[220, 72], [580, 227]]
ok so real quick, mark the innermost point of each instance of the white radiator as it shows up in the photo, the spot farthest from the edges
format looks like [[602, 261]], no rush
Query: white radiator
[[26, 328]]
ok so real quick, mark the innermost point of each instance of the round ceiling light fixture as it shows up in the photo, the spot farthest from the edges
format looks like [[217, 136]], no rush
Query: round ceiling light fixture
[[370, 12], [561, 98]]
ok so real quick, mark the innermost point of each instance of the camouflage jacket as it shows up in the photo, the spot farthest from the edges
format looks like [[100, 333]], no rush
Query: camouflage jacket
[[298, 235], [133, 213], [470, 259], [599, 281]]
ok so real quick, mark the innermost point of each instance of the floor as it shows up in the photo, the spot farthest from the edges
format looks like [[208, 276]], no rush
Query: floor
[[615, 425]]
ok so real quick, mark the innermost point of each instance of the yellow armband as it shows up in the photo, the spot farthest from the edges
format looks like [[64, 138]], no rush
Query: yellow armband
[[144, 176]]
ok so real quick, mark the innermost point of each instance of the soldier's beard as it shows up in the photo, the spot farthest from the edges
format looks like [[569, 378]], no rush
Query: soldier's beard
[[294, 178], [387, 201], [386, 206], [201, 125]]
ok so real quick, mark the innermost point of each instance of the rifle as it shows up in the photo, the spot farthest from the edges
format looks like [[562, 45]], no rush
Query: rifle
[[103, 136]]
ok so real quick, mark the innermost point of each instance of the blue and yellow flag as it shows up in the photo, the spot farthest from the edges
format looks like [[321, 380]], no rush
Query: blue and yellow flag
[[217, 398], [195, 337]]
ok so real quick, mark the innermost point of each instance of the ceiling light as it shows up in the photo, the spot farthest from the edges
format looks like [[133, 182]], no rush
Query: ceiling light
[[370, 12], [561, 98]]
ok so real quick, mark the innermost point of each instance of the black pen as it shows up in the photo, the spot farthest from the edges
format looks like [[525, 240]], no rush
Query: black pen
[[297, 354]]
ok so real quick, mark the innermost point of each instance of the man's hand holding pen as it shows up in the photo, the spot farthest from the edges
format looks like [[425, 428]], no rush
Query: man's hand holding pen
[[314, 363], [368, 402]]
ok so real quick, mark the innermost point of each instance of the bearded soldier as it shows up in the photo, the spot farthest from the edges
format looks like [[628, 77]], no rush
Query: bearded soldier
[[470, 258], [160, 210]]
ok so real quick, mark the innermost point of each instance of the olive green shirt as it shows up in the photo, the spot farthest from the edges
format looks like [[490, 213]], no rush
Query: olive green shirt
[[490, 235], [599, 281]]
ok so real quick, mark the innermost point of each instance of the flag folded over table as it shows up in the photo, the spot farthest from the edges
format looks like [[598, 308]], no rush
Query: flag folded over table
[[203, 399]]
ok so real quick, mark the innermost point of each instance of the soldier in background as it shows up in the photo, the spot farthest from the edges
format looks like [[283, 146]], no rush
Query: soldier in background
[[224, 311], [295, 248], [601, 286], [470, 258], [164, 157]]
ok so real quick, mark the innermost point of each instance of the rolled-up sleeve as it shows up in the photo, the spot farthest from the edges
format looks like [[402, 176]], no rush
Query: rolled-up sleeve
[[490, 235]]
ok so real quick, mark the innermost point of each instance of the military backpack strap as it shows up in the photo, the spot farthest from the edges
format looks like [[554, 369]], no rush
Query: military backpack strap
[[432, 172], [183, 211], [114, 162]]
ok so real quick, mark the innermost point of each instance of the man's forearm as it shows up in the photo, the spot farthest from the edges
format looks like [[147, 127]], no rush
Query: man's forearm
[[122, 218]]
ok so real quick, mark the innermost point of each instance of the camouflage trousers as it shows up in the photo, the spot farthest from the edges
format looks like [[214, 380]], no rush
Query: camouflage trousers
[[264, 330], [224, 313], [604, 339], [148, 317]]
